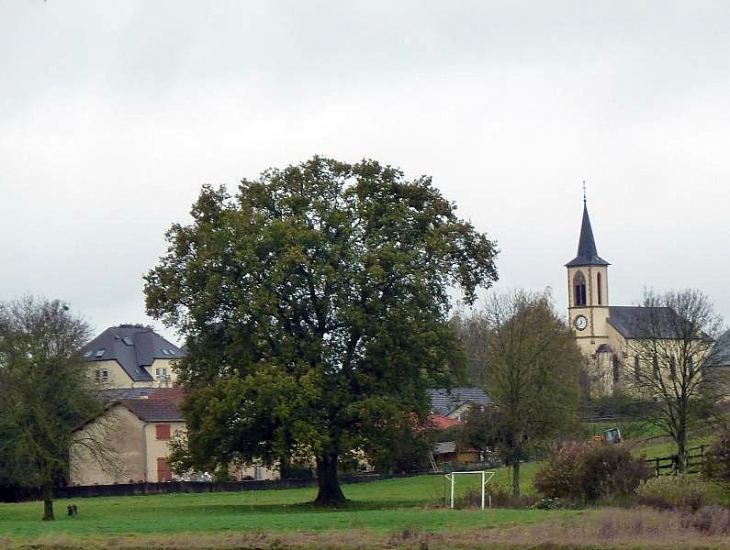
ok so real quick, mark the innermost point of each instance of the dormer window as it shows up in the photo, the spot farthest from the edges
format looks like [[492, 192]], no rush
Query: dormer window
[[579, 289]]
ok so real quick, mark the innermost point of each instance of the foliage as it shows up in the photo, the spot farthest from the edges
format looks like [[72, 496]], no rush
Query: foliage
[[587, 472], [679, 491], [314, 304], [530, 366], [405, 451], [670, 361], [46, 393], [716, 464]]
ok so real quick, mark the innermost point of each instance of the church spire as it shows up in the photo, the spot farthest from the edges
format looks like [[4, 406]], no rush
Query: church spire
[[587, 252]]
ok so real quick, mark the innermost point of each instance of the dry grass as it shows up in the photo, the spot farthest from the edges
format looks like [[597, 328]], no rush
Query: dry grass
[[610, 528]]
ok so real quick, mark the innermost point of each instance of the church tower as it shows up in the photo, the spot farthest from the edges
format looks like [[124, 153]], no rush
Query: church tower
[[588, 291]]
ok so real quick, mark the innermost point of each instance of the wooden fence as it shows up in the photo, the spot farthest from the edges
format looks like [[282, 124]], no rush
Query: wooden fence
[[670, 465]]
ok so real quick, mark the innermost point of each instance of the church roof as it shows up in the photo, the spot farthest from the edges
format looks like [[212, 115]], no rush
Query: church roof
[[640, 322], [133, 347], [587, 252]]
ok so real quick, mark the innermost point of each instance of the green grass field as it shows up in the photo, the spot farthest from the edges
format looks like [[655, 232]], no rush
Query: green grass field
[[379, 508], [381, 513]]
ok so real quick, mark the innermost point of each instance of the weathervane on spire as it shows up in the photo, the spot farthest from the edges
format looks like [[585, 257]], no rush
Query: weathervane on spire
[[584, 191]]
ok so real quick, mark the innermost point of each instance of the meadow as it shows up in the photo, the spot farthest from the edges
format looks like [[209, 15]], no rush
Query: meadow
[[398, 513]]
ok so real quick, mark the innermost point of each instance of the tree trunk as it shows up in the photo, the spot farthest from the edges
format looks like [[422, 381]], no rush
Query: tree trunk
[[48, 503], [516, 477], [681, 450], [330, 492]]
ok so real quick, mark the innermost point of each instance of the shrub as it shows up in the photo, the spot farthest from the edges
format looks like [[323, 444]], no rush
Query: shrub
[[551, 504], [588, 472], [716, 463], [680, 491]]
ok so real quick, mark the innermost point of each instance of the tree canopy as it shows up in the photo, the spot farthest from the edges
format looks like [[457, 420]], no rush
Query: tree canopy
[[314, 304], [46, 393], [529, 364]]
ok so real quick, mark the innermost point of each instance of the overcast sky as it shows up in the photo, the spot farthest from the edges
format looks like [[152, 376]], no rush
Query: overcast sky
[[114, 113]]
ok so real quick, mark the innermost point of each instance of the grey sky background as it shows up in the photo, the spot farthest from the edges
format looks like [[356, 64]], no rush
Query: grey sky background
[[113, 114]]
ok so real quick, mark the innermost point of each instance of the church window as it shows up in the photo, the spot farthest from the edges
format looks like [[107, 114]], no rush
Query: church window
[[655, 365], [691, 364], [600, 290], [637, 368], [615, 369], [579, 286], [673, 367]]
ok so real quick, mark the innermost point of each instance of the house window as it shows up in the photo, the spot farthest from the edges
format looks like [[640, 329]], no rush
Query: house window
[[161, 373], [163, 470], [600, 290], [579, 289], [163, 431], [101, 375]]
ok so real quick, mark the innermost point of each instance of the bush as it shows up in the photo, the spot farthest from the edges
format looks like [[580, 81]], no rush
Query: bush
[[551, 504], [680, 491], [716, 463], [587, 472]]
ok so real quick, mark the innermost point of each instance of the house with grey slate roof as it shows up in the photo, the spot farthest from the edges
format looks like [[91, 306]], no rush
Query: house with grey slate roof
[[131, 356], [454, 403]]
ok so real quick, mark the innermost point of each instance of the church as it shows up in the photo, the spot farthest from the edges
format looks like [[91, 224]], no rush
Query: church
[[625, 346]]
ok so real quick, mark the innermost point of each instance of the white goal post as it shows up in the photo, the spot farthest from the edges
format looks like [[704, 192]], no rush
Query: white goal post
[[486, 477]]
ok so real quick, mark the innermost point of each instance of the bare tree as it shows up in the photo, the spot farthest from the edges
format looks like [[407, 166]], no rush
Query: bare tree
[[46, 393], [671, 347], [530, 367]]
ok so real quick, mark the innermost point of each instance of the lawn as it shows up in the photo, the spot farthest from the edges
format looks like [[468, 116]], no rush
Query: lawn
[[379, 508], [407, 512]]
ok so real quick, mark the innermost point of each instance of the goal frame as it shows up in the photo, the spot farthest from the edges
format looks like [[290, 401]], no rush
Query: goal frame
[[487, 476]]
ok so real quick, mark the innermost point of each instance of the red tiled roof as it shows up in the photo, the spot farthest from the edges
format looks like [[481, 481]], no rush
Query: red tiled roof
[[438, 422], [162, 405]]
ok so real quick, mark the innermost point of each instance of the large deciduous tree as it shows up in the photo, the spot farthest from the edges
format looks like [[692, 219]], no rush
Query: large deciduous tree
[[670, 360], [46, 393], [530, 366], [314, 304]]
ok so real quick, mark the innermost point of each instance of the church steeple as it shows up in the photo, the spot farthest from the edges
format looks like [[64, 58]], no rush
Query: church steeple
[[587, 252]]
